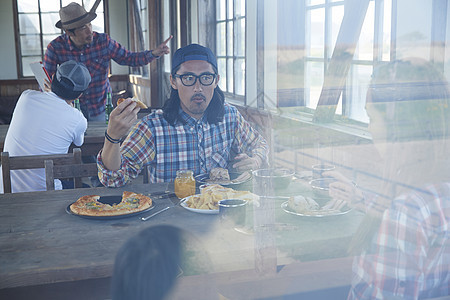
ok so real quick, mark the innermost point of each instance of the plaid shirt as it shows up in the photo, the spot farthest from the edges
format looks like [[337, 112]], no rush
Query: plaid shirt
[[410, 254], [190, 144], [96, 56]]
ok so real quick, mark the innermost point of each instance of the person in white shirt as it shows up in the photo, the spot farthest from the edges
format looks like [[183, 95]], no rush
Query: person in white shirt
[[47, 123]]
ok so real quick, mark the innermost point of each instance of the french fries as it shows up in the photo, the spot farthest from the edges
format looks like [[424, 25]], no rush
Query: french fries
[[211, 195]]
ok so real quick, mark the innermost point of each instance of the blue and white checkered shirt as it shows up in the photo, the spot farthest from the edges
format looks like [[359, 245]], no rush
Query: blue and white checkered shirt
[[191, 144]]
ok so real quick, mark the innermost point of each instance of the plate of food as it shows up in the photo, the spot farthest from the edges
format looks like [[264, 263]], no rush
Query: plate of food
[[110, 207], [223, 177], [308, 207], [192, 203], [207, 202]]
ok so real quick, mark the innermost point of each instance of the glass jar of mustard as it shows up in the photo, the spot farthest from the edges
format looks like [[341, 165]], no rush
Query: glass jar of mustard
[[184, 183]]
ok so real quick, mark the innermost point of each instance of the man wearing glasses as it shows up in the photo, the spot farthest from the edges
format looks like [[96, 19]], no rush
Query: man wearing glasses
[[195, 130]]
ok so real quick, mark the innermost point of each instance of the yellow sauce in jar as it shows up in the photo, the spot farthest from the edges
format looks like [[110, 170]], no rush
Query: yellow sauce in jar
[[184, 184]]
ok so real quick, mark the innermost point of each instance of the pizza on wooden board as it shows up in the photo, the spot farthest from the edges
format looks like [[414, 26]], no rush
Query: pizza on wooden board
[[131, 203]]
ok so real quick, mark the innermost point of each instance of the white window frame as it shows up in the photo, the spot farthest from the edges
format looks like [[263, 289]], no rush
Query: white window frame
[[232, 61]]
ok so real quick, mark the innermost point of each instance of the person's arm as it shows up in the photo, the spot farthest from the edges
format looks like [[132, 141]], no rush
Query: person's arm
[[345, 192], [124, 162], [80, 131], [122, 118], [162, 49], [124, 57], [252, 147]]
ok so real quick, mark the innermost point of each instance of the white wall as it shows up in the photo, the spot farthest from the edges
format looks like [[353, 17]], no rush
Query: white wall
[[8, 68], [118, 25]]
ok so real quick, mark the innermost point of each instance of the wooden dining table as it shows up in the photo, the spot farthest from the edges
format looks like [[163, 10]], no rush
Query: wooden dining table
[[93, 138], [49, 253]]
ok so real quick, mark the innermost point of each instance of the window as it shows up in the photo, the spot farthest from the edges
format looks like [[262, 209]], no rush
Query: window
[[36, 28], [323, 20], [230, 47], [142, 35]]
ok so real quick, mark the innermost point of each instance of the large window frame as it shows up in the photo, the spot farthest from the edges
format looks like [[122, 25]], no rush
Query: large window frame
[[377, 28], [35, 27], [231, 47], [141, 34]]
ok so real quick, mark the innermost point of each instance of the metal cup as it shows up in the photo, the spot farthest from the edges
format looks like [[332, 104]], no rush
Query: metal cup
[[232, 212], [317, 170]]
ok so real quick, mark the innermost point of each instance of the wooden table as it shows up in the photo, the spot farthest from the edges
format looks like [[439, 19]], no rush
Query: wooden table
[[93, 139], [43, 249]]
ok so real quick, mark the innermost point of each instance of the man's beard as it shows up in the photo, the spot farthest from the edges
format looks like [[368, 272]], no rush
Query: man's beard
[[197, 107]]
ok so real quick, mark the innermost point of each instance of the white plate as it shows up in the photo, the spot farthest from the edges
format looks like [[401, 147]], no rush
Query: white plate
[[200, 211], [314, 214]]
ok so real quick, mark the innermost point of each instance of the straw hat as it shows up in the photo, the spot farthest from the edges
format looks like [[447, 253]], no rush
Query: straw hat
[[74, 15]]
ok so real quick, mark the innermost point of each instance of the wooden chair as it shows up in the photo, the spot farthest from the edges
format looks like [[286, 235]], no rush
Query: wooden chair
[[10, 163], [74, 171]]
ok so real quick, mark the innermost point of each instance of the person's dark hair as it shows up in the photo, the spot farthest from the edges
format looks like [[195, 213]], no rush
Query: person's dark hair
[[148, 264], [214, 112]]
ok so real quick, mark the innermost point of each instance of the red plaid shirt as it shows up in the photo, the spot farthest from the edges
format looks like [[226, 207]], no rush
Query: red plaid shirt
[[410, 255], [96, 57]]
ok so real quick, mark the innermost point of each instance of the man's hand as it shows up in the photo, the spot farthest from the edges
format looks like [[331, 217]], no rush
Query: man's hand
[[343, 191], [47, 85], [122, 118], [246, 162], [163, 48]]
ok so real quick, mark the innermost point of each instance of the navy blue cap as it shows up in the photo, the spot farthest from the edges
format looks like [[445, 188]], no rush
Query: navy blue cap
[[193, 52]]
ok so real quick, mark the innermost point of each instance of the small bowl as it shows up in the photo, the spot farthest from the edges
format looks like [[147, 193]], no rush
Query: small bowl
[[281, 178], [320, 188]]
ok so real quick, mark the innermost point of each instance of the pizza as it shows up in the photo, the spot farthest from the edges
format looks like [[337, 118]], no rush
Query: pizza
[[91, 206], [138, 102]]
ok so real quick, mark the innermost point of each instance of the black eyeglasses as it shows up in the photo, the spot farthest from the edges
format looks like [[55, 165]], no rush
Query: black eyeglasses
[[190, 79]]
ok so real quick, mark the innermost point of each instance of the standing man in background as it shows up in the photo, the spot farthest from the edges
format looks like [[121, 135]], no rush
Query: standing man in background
[[95, 50]]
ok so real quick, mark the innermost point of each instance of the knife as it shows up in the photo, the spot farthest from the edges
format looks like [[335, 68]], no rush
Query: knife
[[160, 195]]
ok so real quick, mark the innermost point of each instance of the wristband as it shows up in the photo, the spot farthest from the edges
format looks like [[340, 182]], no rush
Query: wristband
[[112, 140]]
